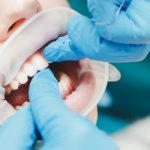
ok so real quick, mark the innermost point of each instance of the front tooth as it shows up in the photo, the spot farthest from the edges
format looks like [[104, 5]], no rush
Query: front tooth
[[14, 85], [22, 78], [39, 62], [29, 70]]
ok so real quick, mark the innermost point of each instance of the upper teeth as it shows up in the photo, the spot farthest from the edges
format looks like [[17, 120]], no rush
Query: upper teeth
[[39, 62], [29, 69], [36, 63], [22, 78]]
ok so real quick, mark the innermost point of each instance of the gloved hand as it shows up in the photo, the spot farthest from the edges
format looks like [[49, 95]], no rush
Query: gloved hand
[[17, 133], [118, 32], [60, 128]]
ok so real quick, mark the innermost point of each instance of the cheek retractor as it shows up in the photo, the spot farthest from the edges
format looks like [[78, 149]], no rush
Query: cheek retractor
[[34, 34]]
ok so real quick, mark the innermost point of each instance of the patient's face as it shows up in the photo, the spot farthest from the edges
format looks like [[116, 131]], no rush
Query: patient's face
[[14, 13]]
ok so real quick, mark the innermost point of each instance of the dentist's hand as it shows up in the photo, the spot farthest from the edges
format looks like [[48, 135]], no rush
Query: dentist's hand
[[60, 128], [17, 133], [118, 32]]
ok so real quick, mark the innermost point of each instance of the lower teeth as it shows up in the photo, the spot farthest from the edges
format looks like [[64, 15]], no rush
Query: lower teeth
[[19, 96]]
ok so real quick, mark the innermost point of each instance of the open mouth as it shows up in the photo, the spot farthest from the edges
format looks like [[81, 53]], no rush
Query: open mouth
[[75, 79], [81, 83]]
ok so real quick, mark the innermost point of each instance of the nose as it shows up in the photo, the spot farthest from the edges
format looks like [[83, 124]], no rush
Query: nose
[[19, 11]]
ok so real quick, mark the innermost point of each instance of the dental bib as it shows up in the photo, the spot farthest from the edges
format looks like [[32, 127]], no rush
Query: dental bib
[[44, 27]]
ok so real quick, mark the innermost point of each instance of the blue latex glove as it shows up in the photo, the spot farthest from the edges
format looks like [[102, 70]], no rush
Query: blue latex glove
[[18, 132], [118, 32], [60, 128]]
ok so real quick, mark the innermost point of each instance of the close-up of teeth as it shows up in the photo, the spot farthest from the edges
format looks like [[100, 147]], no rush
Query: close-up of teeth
[[31, 60], [21, 78], [29, 69], [39, 62], [36, 63]]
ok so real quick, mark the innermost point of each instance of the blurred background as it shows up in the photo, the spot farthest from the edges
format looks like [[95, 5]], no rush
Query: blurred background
[[131, 95]]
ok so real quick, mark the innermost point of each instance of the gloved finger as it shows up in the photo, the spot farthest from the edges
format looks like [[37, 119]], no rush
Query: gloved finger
[[17, 133], [61, 50], [80, 44], [47, 105], [129, 25], [95, 47], [60, 128]]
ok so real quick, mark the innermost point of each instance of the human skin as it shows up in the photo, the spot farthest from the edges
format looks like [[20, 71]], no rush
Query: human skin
[[17, 12], [16, 15]]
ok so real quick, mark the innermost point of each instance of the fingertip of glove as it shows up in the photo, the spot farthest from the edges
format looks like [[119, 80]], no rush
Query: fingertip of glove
[[50, 53], [44, 74], [40, 80], [54, 52]]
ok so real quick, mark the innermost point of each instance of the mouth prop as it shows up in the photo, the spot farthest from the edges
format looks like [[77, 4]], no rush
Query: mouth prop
[[81, 84]]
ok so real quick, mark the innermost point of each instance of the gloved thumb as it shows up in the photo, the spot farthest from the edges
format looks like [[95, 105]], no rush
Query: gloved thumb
[[47, 105]]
